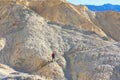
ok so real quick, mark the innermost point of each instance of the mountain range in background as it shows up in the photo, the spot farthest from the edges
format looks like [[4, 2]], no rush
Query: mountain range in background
[[105, 7]]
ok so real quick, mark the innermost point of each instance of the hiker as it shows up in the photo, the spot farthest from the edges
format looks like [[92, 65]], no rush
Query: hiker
[[53, 56]]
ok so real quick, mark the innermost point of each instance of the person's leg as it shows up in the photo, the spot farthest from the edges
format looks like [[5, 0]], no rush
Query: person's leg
[[53, 59]]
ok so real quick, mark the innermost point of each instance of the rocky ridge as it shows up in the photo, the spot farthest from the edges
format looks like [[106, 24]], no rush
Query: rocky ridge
[[7, 73], [67, 13], [103, 23], [109, 22], [78, 15], [27, 40]]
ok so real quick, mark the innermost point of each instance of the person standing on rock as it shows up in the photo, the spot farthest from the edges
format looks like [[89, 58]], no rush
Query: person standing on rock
[[53, 56]]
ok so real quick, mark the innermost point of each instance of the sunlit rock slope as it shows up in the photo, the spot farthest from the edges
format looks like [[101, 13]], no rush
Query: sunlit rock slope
[[27, 41]]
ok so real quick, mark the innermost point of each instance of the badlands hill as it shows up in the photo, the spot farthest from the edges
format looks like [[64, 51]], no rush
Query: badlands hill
[[109, 22], [27, 41], [64, 12], [104, 23]]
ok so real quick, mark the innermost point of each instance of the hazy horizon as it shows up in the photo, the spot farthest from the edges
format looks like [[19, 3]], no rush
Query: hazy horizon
[[94, 2]]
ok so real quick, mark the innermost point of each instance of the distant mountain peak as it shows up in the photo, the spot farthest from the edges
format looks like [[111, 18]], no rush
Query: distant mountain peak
[[108, 4], [104, 7]]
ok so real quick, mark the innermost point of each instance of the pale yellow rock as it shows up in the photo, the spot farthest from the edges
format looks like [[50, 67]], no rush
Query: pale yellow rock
[[28, 40], [2, 43]]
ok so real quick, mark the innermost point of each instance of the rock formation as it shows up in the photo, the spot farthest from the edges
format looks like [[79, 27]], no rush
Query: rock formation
[[27, 41], [104, 23], [25, 49], [64, 12], [7, 73], [109, 23], [77, 15]]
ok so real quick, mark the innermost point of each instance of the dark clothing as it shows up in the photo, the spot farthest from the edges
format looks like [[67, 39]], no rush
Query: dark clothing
[[53, 55]]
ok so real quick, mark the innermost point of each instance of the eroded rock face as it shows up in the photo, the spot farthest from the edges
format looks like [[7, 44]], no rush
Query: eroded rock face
[[109, 22], [64, 12], [7, 73], [25, 48], [29, 41], [94, 64]]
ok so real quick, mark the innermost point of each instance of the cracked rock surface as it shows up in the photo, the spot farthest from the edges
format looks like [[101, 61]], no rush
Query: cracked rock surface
[[27, 41]]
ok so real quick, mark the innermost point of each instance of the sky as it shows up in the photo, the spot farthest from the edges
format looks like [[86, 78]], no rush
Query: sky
[[94, 2]]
